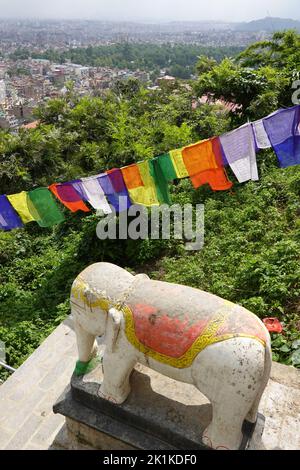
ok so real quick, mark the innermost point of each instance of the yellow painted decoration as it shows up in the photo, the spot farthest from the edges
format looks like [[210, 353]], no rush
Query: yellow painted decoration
[[81, 292]]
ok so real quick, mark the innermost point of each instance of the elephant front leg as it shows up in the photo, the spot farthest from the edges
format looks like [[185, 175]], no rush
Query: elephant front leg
[[116, 373], [87, 350]]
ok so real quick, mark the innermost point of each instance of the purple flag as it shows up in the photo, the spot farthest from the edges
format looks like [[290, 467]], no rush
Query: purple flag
[[107, 184], [283, 131], [67, 192]]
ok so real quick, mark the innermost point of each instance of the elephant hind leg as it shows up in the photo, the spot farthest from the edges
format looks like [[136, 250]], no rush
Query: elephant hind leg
[[225, 430], [252, 415], [230, 375]]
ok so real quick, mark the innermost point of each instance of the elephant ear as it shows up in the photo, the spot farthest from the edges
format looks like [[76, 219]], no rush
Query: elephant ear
[[113, 326]]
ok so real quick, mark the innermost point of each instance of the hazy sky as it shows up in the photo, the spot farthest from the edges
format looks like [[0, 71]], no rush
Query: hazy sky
[[228, 10]]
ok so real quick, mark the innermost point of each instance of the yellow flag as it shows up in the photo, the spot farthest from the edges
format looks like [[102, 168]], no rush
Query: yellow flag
[[21, 204], [177, 160], [145, 195]]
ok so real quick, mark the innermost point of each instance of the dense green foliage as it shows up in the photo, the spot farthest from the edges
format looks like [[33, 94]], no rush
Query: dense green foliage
[[259, 80], [281, 52], [178, 59], [252, 233]]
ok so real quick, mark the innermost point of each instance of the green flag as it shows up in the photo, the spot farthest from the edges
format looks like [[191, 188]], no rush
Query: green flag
[[41, 202], [167, 167], [162, 171]]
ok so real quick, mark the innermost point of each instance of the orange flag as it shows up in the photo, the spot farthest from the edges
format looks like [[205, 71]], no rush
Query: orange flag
[[132, 176], [204, 165]]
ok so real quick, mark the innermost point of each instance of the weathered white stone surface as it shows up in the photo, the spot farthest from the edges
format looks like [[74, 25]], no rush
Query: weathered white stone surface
[[26, 399]]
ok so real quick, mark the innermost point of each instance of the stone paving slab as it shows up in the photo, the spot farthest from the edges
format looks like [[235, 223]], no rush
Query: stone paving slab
[[27, 397]]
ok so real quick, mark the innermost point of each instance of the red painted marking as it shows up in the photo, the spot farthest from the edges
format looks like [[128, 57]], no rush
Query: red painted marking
[[166, 335]]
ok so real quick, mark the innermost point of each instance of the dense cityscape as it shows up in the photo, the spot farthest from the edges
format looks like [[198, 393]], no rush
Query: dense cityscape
[[25, 84], [28, 79]]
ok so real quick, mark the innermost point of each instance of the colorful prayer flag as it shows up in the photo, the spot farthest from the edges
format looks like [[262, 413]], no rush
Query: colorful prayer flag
[[132, 176], [199, 157], [42, 203], [95, 195], [261, 137], [117, 180], [178, 163], [239, 149], [204, 164], [140, 184], [283, 130], [77, 185], [20, 204], [166, 165], [146, 183], [119, 198], [69, 197], [9, 219], [161, 174]]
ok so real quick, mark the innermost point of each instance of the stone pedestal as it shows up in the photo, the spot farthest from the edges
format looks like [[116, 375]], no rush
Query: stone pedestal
[[159, 414]]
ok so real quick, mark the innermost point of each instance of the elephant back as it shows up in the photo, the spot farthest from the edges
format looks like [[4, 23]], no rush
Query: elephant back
[[173, 323]]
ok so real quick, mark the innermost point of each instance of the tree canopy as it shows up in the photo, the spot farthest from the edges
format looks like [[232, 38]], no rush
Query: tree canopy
[[259, 80], [178, 59]]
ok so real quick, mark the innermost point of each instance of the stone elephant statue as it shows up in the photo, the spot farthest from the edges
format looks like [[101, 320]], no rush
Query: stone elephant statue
[[184, 333]]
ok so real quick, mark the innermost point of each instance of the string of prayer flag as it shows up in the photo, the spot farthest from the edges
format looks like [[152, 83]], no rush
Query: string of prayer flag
[[147, 182]]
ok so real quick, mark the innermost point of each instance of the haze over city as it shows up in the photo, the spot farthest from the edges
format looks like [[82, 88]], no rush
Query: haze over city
[[156, 10]]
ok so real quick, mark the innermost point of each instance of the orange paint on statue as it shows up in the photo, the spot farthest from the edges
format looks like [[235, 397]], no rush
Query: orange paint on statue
[[164, 334], [249, 325]]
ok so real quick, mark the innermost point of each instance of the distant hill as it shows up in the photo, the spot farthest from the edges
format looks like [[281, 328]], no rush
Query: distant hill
[[268, 24]]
